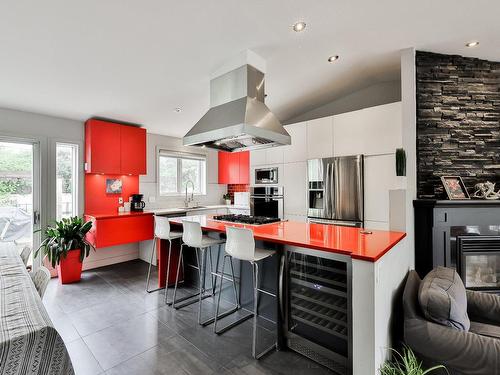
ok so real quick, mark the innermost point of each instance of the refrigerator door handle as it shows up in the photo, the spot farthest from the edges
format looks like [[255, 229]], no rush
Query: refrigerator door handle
[[330, 192]]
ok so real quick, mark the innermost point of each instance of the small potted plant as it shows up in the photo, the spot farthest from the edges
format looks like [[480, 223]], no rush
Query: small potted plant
[[65, 247], [227, 198], [406, 364]]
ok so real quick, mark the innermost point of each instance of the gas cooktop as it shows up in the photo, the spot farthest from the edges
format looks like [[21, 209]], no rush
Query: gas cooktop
[[247, 219]]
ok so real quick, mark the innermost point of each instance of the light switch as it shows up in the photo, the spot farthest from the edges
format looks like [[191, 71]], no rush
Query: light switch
[[151, 199]]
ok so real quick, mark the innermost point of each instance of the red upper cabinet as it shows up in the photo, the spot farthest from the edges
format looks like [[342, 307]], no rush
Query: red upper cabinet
[[244, 167], [112, 148], [102, 147], [234, 167], [133, 150]]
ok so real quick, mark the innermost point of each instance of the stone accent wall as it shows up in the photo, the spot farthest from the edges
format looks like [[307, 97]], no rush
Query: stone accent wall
[[458, 121]]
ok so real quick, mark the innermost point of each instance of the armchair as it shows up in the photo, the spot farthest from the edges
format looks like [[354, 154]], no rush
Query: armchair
[[473, 352]]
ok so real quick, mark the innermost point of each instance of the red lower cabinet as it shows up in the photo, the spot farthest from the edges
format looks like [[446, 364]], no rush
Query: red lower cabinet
[[69, 269], [119, 229]]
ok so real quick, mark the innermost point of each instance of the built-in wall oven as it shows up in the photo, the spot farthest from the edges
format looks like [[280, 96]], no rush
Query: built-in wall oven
[[266, 175], [316, 305], [266, 201]]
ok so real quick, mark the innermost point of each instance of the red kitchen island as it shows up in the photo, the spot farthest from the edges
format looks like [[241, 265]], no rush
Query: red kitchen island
[[338, 288]]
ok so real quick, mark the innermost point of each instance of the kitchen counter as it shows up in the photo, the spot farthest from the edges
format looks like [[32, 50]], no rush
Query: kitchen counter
[[330, 238], [118, 214]]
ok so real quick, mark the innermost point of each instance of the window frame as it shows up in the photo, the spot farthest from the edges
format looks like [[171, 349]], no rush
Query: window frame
[[181, 156]]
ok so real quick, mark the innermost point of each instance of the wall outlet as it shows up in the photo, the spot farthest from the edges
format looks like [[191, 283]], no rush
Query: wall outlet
[[151, 199], [120, 200]]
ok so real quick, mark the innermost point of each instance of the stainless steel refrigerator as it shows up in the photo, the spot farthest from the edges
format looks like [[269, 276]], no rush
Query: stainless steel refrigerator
[[335, 193]]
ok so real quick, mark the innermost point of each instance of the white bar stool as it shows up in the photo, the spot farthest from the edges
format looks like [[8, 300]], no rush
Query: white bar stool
[[240, 245], [162, 232], [193, 237]]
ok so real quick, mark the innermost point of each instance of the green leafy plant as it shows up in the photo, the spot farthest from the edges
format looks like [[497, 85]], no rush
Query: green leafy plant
[[400, 162], [67, 234], [406, 364], [226, 196]]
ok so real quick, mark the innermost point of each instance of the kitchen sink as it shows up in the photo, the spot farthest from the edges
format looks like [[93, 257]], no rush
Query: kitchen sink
[[192, 207]]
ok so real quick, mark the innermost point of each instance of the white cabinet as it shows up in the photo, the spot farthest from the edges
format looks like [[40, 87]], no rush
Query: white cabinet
[[294, 183], [380, 177], [320, 138], [212, 167], [370, 131], [258, 157], [274, 155], [297, 151]]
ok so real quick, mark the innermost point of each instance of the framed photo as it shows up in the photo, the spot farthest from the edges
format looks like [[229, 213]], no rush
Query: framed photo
[[455, 187], [113, 186]]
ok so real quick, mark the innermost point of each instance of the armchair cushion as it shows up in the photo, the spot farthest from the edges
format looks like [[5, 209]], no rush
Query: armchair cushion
[[484, 329], [443, 298]]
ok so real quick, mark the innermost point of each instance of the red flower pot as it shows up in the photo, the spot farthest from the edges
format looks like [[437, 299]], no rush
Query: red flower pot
[[69, 269]]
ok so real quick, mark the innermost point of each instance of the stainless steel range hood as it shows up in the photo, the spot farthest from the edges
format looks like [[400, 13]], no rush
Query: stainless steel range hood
[[238, 119]]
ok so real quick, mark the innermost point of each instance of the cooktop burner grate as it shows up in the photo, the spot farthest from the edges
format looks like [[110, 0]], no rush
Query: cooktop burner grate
[[247, 219]]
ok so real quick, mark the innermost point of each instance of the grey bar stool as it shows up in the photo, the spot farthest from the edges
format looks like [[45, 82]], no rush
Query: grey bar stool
[[193, 237], [162, 232], [240, 245]]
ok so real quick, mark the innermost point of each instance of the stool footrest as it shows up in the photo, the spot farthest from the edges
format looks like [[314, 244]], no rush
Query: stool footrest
[[263, 353], [154, 290], [180, 306], [233, 324], [222, 315]]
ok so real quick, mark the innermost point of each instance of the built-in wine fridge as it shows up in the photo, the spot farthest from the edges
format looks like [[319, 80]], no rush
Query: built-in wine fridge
[[317, 307]]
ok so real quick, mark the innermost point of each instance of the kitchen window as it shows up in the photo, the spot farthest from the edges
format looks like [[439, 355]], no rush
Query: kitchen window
[[176, 170]]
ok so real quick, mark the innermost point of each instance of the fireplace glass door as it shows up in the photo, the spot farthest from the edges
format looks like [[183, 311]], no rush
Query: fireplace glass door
[[480, 262]]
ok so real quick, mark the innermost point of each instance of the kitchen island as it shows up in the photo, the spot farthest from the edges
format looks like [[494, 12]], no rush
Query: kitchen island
[[362, 270]]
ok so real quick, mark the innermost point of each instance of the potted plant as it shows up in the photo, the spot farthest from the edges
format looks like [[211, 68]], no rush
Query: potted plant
[[406, 364], [65, 247], [227, 198]]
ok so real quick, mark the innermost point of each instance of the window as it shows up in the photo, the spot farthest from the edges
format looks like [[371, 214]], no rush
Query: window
[[176, 170], [66, 180]]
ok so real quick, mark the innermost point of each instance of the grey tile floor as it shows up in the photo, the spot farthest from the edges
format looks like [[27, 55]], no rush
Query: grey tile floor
[[112, 326]]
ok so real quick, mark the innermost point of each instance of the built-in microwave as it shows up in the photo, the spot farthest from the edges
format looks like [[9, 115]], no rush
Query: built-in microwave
[[266, 175]]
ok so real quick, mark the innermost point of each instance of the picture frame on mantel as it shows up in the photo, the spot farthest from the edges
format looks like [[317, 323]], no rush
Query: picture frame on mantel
[[455, 187]]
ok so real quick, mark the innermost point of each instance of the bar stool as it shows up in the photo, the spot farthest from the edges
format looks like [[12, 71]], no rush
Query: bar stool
[[162, 232], [240, 245], [193, 237]]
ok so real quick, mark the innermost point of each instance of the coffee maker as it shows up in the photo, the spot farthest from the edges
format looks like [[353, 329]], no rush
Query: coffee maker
[[136, 203]]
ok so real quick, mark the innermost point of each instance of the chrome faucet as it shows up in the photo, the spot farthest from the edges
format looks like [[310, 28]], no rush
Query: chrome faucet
[[187, 200]]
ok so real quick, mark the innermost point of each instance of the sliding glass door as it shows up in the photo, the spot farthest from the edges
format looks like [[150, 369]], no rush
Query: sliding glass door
[[19, 193]]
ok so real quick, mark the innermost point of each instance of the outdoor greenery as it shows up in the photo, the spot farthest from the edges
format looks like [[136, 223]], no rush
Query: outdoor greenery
[[406, 364], [190, 170], [15, 171], [65, 167], [67, 234]]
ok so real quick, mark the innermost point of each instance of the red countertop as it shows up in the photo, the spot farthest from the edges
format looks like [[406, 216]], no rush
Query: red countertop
[[114, 215], [330, 238]]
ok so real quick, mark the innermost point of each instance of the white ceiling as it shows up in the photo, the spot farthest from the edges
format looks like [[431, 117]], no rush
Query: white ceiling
[[138, 60]]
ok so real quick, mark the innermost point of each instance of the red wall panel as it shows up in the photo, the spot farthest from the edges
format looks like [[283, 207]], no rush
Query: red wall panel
[[96, 198]]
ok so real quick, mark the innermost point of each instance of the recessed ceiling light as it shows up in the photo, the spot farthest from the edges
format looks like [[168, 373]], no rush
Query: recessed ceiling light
[[178, 110], [299, 26], [333, 58], [472, 44]]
